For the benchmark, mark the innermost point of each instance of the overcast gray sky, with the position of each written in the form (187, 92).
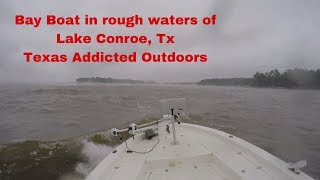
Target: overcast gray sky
(249, 36)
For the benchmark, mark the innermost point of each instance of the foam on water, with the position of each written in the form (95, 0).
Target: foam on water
(94, 153)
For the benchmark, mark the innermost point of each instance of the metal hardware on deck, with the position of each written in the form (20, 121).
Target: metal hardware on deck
(173, 118)
(296, 166)
(168, 129)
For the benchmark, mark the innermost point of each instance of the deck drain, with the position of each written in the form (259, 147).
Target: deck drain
(166, 170)
(239, 153)
(259, 167)
(163, 147)
(116, 167)
(196, 167)
(230, 136)
(243, 171)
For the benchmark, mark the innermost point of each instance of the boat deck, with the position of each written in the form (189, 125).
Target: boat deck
(202, 153)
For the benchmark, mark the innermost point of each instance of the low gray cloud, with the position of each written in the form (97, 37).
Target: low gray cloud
(249, 36)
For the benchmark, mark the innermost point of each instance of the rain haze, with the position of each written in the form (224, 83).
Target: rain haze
(249, 36)
(54, 118)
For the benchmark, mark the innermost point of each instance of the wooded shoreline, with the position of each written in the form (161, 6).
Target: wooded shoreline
(291, 78)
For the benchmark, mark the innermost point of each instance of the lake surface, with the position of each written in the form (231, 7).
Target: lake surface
(45, 130)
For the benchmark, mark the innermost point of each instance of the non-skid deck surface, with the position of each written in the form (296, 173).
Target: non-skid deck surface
(202, 153)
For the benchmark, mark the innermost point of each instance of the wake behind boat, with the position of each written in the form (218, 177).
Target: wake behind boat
(168, 149)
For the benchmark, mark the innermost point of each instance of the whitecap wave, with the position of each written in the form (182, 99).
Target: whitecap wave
(94, 153)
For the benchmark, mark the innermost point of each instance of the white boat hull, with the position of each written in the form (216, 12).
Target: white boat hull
(202, 153)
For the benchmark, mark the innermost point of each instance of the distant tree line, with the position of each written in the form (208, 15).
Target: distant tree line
(291, 78)
(111, 80)
(227, 81)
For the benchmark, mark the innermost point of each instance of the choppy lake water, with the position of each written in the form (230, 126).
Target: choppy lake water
(53, 132)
